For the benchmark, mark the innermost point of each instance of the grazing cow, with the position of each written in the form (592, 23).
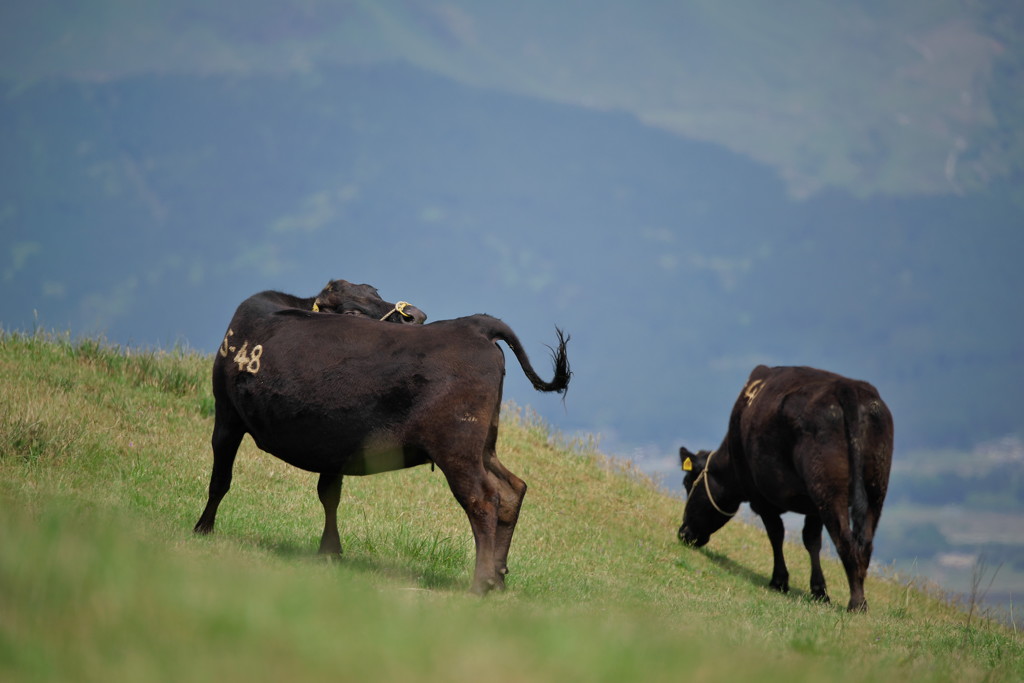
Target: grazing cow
(799, 440)
(337, 395)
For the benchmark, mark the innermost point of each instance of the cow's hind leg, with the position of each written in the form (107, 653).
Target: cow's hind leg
(328, 488)
(511, 490)
(225, 441)
(812, 541)
(838, 525)
(474, 488)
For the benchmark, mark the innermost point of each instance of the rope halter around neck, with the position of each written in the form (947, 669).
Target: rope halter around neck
(399, 308)
(707, 487)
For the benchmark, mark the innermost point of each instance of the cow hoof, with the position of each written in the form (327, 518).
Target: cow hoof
(821, 597)
(484, 587)
(330, 550)
(781, 586)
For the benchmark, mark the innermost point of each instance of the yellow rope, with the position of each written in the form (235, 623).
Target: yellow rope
(400, 307)
(707, 487)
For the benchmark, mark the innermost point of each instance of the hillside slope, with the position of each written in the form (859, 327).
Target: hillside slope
(103, 466)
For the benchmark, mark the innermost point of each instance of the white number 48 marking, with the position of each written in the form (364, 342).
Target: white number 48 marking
(249, 362)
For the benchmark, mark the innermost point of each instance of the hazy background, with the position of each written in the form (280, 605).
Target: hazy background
(687, 188)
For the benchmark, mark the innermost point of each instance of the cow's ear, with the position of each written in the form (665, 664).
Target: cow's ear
(687, 465)
(684, 456)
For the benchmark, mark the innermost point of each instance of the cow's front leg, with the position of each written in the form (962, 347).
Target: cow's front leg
(776, 535)
(812, 541)
(328, 488)
(225, 441)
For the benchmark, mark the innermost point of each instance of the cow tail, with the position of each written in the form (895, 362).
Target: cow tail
(854, 438)
(560, 360)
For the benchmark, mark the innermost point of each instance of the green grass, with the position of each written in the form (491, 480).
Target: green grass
(104, 461)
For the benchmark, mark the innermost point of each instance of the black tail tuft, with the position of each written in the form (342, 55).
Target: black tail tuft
(560, 383)
(560, 361)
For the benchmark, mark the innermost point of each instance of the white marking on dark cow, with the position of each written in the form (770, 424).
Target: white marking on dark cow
(249, 362)
(752, 390)
(224, 348)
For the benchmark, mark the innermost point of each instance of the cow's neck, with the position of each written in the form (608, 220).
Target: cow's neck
(733, 492)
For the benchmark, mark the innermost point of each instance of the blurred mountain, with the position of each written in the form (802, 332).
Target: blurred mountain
(872, 97)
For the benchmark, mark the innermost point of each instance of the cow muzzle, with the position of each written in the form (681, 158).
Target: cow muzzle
(687, 536)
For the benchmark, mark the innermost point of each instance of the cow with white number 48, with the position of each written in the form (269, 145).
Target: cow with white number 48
(352, 395)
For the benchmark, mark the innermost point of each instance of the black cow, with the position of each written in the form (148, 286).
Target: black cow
(342, 297)
(337, 395)
(799, 440)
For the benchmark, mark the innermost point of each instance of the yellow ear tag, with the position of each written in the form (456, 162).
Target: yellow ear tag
(687, 465)
(316, 309)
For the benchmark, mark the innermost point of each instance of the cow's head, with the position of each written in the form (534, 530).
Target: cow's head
(702, 515)
(341, 296)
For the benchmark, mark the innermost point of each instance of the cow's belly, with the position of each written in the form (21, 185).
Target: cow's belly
(351, 452)
(773, 501)
(784, 493)
(386, 460)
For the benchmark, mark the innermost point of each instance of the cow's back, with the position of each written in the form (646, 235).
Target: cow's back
(794, 426)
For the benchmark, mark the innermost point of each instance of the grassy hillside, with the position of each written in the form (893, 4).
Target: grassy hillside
(103, 466)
